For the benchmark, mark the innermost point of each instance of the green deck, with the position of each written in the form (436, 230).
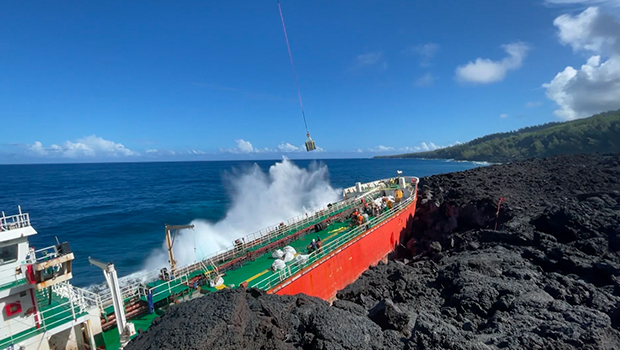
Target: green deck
(250, 271)
(57, 312)
(261, 267)
(13, 284)
(112, 340)
(257, 269)
(19, 337)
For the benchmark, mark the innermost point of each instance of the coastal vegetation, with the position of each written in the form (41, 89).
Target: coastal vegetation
(599, 133)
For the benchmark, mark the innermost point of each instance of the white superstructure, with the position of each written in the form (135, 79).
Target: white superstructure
(39, 307)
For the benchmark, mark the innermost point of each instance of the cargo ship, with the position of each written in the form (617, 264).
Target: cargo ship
(317, 253)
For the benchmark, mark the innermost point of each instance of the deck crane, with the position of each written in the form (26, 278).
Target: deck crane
(212, 274)
(125, 329)
(170, 243)
(310, 146)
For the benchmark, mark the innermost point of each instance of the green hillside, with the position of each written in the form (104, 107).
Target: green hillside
(599, 133)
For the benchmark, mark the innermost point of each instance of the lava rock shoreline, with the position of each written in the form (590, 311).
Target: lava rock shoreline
(542, 272)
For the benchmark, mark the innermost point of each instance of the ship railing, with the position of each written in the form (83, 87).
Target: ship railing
(10, 278)
(367, 186)
(270, 234)
(378, 184)
(14, 221)
(291, 224)
(53, 310)
(188, 270)
(43, 254)
(128, 292)
(261, 238)
(82, 298)
(32, 257)
(339, 242)
(67, 304)
(168, 287)
(253, 240)
(60, 306)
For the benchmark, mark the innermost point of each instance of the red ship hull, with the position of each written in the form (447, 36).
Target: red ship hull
(341, 268)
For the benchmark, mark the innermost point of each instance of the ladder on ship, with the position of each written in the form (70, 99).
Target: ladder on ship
(213, 273)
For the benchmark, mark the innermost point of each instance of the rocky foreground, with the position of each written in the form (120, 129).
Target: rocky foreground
(548, 277)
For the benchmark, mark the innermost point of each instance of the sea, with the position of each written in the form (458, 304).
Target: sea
(116, 212)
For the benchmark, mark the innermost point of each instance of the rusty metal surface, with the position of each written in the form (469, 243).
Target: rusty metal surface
(53, 262)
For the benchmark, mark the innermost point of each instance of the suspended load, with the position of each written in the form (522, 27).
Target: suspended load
(310, 146)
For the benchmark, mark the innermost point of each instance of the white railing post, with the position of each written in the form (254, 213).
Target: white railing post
(71, 305)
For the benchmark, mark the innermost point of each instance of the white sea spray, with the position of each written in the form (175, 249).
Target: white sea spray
(258, 199)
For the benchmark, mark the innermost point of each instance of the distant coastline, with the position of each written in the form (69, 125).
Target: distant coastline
(477, 162)
(599, 133)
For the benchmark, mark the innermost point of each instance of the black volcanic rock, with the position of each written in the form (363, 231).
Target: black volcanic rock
(542, 273)
(389, 316)
(239, 319)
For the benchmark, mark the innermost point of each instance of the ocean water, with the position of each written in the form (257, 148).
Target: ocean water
(117, 211)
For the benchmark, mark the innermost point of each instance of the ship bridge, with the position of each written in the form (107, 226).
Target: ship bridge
(39, 308)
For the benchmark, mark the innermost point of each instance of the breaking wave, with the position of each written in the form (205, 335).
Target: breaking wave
(258, 199)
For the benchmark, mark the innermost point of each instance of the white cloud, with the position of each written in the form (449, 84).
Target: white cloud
(168, 152)
(90, 146)
(287, 147)
(426, 80)
(381, 148)
(486, 71)
(610, 3)
(595, 86)
(591, 30)
(424, 146)
(371, 59)
(533, 104)
(428, 146)
(244, 146)
(592, 89)
(503, 116)
(426, 52)
(37, 148)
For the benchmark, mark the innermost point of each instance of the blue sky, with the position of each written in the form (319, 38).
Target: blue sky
(132, 81)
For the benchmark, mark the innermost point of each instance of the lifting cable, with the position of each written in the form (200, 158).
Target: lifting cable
(293, 66)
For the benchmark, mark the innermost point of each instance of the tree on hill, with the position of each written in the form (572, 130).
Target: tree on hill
(599, 133)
